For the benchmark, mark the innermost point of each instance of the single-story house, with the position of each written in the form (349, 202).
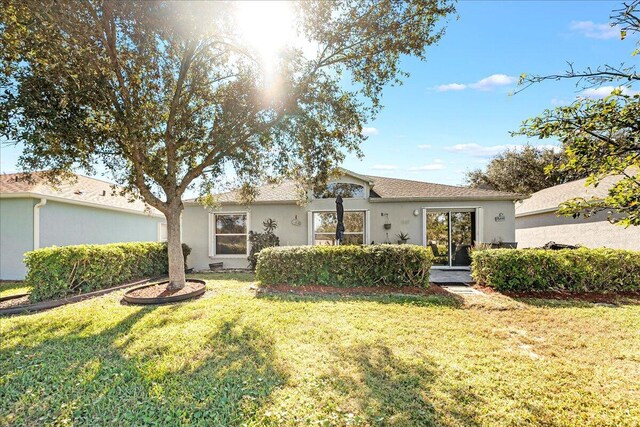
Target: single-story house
(537, 221)
(34, 215)
(449, 219)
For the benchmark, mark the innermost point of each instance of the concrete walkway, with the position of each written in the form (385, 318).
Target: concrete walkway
(450, 276)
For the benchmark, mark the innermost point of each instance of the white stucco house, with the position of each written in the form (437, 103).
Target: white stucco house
(537, 221)
(449, 219)
(34, 215)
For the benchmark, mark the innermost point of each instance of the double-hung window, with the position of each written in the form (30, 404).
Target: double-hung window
(324, 228)
(230, 234)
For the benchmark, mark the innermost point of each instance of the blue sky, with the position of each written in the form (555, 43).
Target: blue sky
(429, 131)
(454, 111)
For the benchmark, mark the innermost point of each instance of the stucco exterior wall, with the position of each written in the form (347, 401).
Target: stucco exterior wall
(198, 234)
(64, 224)
(594, 232)
(16, 236)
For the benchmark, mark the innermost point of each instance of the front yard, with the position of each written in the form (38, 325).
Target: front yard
(237, 358)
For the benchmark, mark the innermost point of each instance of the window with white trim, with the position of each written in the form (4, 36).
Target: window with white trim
(346, 190)
(230, 234)
(162, 232)
(324, 228)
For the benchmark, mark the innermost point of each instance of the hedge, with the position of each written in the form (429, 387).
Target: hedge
(574, 270)
(56, 272)
(345, 266)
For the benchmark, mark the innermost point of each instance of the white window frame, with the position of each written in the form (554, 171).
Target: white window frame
(160, 226)
(213, 234)
(365, 228)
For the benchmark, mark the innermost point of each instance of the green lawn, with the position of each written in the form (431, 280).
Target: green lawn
(234, 358)
(13, 288)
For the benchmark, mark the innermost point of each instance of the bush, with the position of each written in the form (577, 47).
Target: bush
(56, 272)
(574, 270)
(345, 266)
(260, 241)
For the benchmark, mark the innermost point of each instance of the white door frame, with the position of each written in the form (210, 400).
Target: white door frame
(478, 223)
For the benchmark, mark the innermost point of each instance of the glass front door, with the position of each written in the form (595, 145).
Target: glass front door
(450, 235)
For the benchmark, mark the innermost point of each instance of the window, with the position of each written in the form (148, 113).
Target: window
(230, 234)
(344, 189)
(162, 232)
(324, 228)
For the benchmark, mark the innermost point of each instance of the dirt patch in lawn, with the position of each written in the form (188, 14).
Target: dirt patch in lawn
(160, 290)
(360, 290)
(15, 302)
(594, 297)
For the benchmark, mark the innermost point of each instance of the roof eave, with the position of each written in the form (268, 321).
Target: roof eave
(34, 195)
(428, 199)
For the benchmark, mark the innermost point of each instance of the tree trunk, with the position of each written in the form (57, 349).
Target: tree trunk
(176, 257)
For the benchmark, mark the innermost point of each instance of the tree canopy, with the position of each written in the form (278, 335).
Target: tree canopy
(164, 95)
(522, 170)
(601, 137)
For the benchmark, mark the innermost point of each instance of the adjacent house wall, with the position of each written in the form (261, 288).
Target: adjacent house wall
(64, 224)
(198, 235)
(536, 230)
(16, 236)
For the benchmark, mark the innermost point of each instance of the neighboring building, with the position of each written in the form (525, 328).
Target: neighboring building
(376, 210)
(34, 215)
(537, 222)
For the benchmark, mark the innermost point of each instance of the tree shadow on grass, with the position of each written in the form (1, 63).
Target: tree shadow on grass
(453, 301)
(85, 378)
(389, 390)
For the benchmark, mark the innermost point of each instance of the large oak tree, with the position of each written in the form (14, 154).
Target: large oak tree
(167, 95)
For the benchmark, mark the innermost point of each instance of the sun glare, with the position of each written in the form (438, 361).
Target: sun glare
(267, 27)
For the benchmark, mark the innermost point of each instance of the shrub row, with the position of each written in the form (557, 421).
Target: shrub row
(345, 266)
(56, 272)
(574, 270)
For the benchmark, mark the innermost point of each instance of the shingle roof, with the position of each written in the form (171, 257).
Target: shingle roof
(83, 189)
(385, 188)
(550, 198)
(393, 188)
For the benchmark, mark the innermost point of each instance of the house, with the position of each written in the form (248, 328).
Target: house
(33, 215)
(449, 219)
(537, 221)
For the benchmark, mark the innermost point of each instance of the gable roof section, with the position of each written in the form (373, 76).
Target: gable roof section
(386, 189)
(549, 199)
(84, 191)
(400, 189)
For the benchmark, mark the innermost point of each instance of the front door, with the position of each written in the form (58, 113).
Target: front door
(450, 235)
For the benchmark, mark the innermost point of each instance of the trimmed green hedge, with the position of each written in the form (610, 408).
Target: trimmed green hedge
(574, 270)
(345, 266)
(56, 272)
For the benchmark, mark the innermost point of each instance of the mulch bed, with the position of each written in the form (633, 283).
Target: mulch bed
(595, 297)
(160, 290)
(15, 302)
(361, 290)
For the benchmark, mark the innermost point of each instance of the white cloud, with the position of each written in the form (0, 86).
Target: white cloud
(434, 166)
(604, 91)
(558, 101)
(451, 86)
(424, 146)
(594, 31)
(493, 81)
(384, 167)
(369, 131)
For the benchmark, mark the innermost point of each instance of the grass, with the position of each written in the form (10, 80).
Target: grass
(234, 358)
(13, 288)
